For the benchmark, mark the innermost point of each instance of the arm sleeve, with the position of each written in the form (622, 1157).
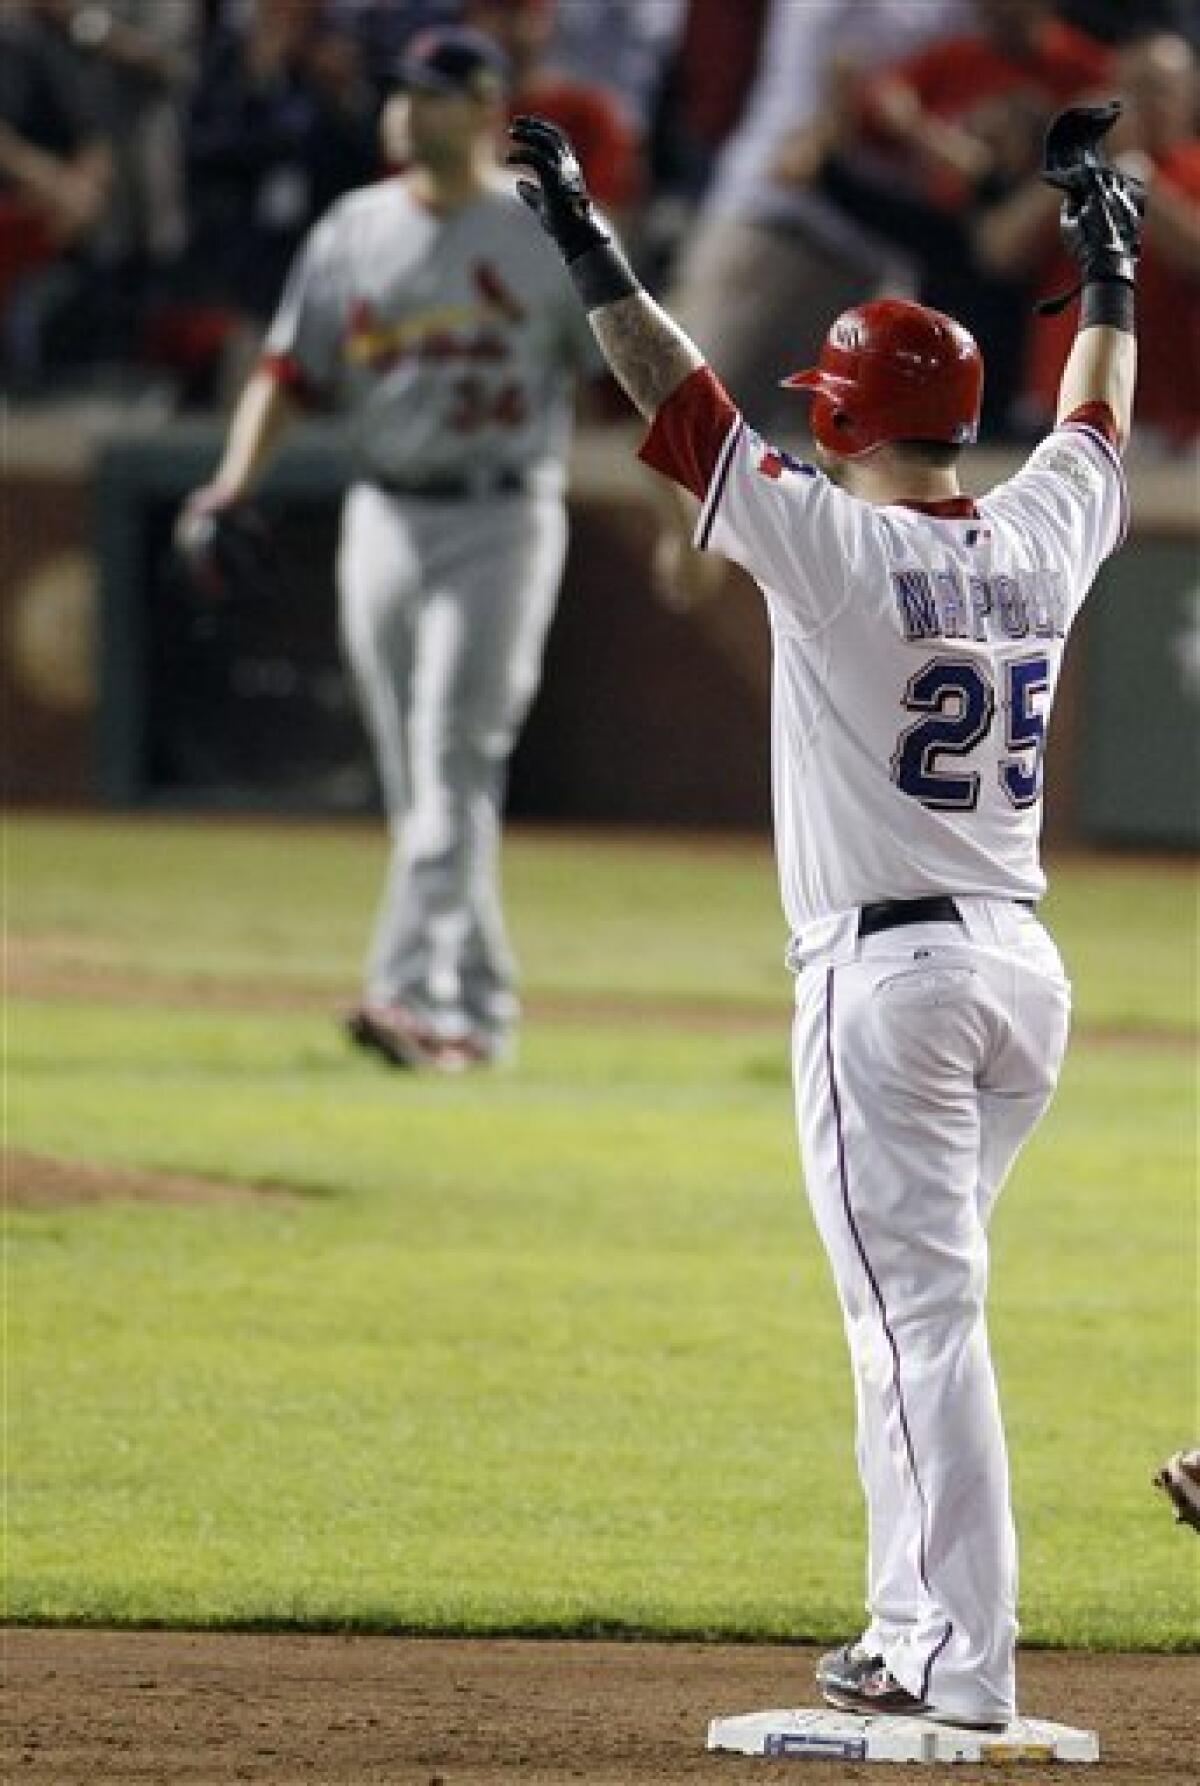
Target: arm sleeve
(1071, 495)
(304, 339)
(798, 535)
(690, 431)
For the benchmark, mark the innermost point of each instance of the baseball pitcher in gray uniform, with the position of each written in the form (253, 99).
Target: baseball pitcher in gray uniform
(432, 313)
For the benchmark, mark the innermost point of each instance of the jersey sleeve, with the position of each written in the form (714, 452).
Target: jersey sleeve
(1071, 496)
(798, 535)
(304, 339)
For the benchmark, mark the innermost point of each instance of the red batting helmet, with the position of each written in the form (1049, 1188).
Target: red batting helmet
(893, 370)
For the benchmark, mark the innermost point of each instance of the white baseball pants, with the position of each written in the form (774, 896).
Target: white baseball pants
(923, 1058)
(445, 607)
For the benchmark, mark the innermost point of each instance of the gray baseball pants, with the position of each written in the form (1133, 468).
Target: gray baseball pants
(444, 609)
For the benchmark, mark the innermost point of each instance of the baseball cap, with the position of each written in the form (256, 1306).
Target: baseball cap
(454, 60)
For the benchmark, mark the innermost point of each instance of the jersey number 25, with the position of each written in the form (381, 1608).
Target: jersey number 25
(958, 701)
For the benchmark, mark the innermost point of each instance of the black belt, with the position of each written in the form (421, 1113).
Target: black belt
(891, 914)
(456, 489)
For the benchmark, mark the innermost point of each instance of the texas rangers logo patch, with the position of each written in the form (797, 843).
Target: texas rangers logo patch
(774, 462)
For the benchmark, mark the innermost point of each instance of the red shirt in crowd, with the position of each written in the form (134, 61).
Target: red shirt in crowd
(717, 62)
(958, 76)
(954, 75)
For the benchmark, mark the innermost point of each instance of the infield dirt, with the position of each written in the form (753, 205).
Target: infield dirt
(90, 1706)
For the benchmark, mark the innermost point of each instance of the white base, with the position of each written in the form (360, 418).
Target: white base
(848, 1736)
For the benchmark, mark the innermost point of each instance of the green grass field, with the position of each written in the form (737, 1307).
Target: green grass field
(552, 1349)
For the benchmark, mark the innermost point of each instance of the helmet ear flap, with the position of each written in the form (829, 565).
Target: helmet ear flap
(837, 428)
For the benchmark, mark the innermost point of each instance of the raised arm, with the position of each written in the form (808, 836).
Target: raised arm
(649, 354)
(1101, 223)
(1101, 368)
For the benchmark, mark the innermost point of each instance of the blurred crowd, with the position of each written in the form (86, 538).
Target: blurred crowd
(769, 162)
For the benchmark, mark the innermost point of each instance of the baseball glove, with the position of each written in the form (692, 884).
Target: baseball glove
(1179, 1480)
(227, 554)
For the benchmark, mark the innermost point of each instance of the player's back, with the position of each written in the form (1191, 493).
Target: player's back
(917, 649)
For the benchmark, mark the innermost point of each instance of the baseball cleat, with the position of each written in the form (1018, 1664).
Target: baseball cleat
(1179, 1480)
(854, 1680)
(833, 1665)
(393, 1032)
(459, 1056)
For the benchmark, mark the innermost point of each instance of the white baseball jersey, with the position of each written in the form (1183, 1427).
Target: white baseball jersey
(451, 342)
(917, 649)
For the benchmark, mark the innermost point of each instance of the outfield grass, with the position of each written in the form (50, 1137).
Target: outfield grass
(634, 916)
(552, 1349)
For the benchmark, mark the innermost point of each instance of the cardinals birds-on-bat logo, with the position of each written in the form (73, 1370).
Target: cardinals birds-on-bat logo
(453, 332)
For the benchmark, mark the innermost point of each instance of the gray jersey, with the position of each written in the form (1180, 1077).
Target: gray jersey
(449, 342)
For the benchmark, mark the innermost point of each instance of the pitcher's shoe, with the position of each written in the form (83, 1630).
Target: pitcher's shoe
(1179, 1480)
(854, 1680)
(394, 1032)
(461, 1055)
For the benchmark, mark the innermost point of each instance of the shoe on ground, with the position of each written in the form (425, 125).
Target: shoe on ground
(404, 1040)
(854, 1680)
(1179, 1480)
(834, 1665)
(460, 1055)
(393, 1032)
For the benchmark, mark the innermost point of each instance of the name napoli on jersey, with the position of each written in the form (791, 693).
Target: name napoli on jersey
(945, 604)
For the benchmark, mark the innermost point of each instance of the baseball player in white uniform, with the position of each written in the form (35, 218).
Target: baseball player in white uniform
(430, 311)
(917, 639)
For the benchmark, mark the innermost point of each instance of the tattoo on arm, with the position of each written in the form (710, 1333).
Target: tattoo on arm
(649, 354)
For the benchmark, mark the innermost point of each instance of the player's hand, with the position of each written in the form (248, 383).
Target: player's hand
(195, 534)
(682, 578)
(199, 507)
(1103, 205)
(557, 193)
(224, 546)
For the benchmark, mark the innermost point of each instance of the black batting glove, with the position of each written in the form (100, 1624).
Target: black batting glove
(1102, 209)
(558, 193)
(1103, 228)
